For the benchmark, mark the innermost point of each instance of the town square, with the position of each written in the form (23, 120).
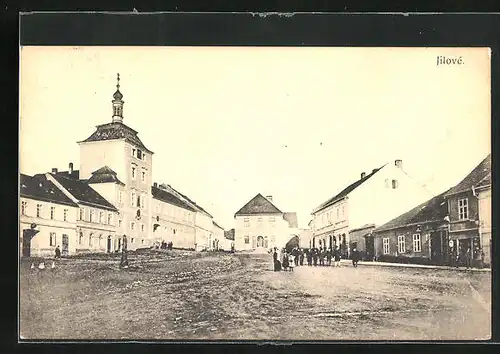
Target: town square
(194, 216)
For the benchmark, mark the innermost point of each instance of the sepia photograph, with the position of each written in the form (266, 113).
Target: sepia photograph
(254, 193)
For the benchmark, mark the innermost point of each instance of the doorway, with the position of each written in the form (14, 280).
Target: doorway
(65, 245)
(370, 247)
(260, 241)
(26, 243)
(108, 248)
(437, 247)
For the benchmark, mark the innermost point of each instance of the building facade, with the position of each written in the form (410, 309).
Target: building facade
(347, 220)
(260, 224)
(47, 218)
(463, 205)
(218, 234)
(173, 219)
(483, 190)
(421, 232)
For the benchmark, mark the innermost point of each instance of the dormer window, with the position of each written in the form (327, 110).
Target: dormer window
(394, 183)
(139, 154)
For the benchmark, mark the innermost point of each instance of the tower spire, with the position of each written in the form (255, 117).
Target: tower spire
(117, 102)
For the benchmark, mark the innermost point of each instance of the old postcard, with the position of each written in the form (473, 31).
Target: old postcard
(255, 193)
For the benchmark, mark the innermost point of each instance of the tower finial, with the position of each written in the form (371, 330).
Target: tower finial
(118, 81)
(117, 102)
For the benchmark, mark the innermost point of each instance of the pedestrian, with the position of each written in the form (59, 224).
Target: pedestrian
(291, 262)
(337, 257)
(468, 259)
(329, 257)
(58, 252)
(296, 256)
(301, 257)
(355, 257)
(276, 262)
(285, 261)
(309, 257)
(315, 256)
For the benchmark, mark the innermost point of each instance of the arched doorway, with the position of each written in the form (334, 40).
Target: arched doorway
(260, 241)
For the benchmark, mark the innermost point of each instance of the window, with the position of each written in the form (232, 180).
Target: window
(343, 211)
(132, 240)
(133, 152)
(133, 199)
(91, 236)
(120, 197)
(101, 217)
(401, 244)
(385, 243)
(394, 184)
(463, 209)
(133, 172)
(247, 239)
(92, 215)
(139, 154)
(142, 227)
(38, 210)
(119, 223)
(80, 238)
(23, 208)
(132, 225)
(52, 212)
(417, 246)
(82, 214)
(52, 238)
(246, 221)
(139, 200)
(143, 176)
(65, 214)
(110, 219)
(99, 242)
(142, 241)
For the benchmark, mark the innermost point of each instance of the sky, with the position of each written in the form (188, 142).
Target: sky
(226, 123)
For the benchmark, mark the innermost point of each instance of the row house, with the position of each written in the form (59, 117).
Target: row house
(203, 220)
(96, 219)
(421, 232)
(173, 219)
(218, 237)
(260, 224)
(47, 218)
(347, 219)
(469, 205)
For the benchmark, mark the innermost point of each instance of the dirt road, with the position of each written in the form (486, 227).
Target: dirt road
(195, 296)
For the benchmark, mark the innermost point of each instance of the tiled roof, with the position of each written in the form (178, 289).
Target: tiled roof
(170, 198)
(258, 205)
(433, 210)
(486, 181)
(217, 225)
(229, 234)
(347, 190)
(104, 175)
(75, 174)
(39, 188)
(192, 203)
(292, 219)
(116, 130)
(84, 193)
(477, 174)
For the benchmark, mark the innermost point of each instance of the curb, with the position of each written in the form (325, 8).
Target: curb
(401, 265)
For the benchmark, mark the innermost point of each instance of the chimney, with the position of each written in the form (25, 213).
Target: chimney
(363, 174)
(398, 163)
(70, 168)
(54, 171)
(269, 197)
(163, 186)
(155, 185)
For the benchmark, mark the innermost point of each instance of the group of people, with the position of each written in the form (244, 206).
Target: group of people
(285, 260)
(165, 245)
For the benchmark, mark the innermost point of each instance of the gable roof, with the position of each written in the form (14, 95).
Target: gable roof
(217, 225)
(115, 131)
(258, 205)
(347, 190)
(84, 193)
(165, 196)
(190, 202)
(39, 188)
(291, 217)
(473, 178)
(432, 210)
(104, 175)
